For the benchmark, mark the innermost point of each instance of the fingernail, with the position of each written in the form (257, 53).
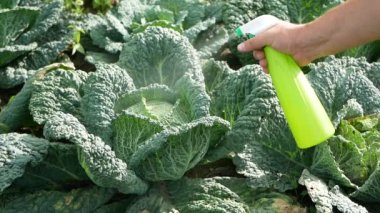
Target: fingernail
(241, 47)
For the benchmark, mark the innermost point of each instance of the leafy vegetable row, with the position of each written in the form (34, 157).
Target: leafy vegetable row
(162, 104)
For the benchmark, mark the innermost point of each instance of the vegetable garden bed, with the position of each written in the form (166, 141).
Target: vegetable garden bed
(146, 106)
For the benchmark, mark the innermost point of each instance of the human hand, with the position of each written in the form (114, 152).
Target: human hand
(284, 37)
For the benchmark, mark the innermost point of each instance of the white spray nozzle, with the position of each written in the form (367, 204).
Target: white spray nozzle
(256, 26)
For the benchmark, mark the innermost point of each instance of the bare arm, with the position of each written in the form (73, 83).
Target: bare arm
(348, 25)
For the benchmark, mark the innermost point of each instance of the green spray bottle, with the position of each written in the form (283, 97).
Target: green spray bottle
(303, 111)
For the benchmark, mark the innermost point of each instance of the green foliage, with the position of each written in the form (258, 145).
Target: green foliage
(18, 150)
(219, 194)
(82, 6)
(9, 3)
(102, 5)
(159, 123)
(97, 103)
(353, 158)
(23, 44)
(75, 6)
(59, 170)
(16, 113)
(58, 90)
(326, 197)
(96, 158)
(76, 200)
(197, 20)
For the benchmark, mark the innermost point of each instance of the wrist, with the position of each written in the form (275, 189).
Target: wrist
(309, 43)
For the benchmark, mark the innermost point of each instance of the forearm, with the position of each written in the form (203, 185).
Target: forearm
(350, 24)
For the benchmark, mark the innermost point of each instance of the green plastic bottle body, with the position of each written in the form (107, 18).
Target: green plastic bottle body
(305, 114)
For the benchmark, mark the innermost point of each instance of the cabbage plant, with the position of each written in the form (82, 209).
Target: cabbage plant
(144, 121)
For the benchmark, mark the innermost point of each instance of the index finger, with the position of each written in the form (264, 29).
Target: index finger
(252, 44)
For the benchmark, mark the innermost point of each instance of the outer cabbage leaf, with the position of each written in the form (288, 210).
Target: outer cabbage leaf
(16, 152)
(371, 70)
(336, 81)
(14, 23)
(370, 190)
(107, 32)
(193, 31)
(17, 111)
(352, 159)
(50, 21)
(101, 91)
(8, 3)
(110, 31)
(178, 148)
(187, 195)
(193, 93)
(194, 9)
(212, 195)
(32, 3)
(9, 53)
(324, 160)
(49, 49)
(298, 11)
(58, 170)
(280, 8)
(119, 206)
(324, 198)
(49, 16)
(77, 200)
(96, 158)
(9, 77)
(350, 110)
(214, 72)
(125, 11)
(210, 41)
(239, 12)
(57, 91)
(160, 56)
(350, 153)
